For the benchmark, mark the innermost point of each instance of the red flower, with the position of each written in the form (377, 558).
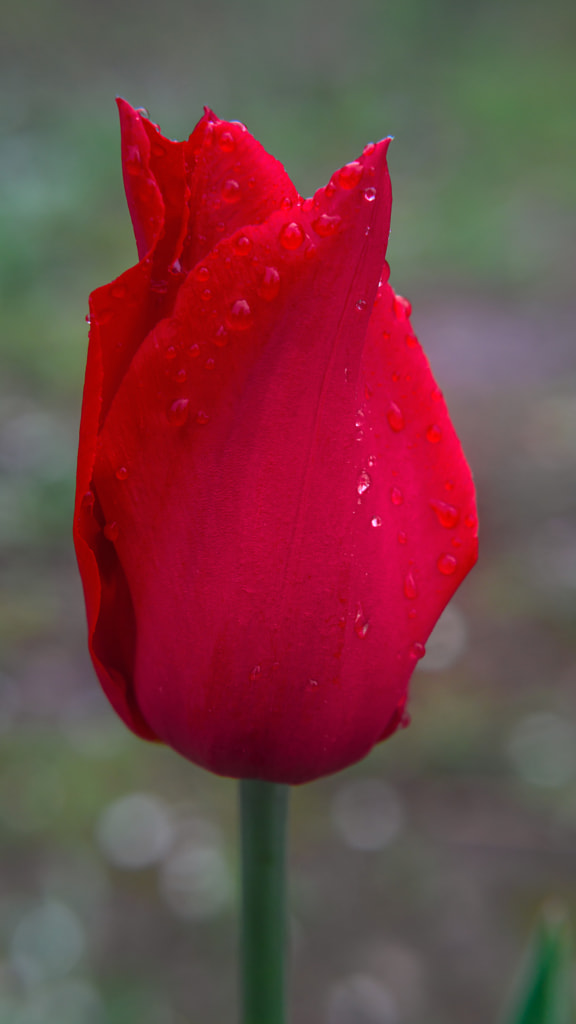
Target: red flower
(273, 507)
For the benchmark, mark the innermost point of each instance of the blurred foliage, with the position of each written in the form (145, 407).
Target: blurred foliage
(416, 875)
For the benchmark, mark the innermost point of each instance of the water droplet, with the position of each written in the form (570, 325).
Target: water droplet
(88, 500)
(143, 112)
(371, 460)
(417, 651)
(270, 284)
(205, 295)
(180, 376)
(361, 305)
(364, 482)
(402, 308)
(370, 194)
(369, 149)
(255, 673)
(308, 204)
(447, 564)
(88, 318)
(312, 682)
(241, 245)
(201, 273)
(226, 142)
(170, 352)
(410, 587)
(329, 190)
(456, 542)
(209, 364)
(292, 236)
(286, 203)
(470, 521)
(449, 485)
(434, 434)
(447, 515)
(239, 316)
(402, 537)
(411, 341)
(361, 624)
(396, 496)
(133, 159)
(221, 337)
(121, 473)
(376, 522)
(230, 191)
(412, 613)
(349, 176)
(111, 531)
(326, 225)
(395, 418)
(177, 412)
(202, 417)
(436, 395)
(194, 350)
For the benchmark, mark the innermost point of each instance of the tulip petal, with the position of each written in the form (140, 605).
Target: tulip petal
(226, 532)
(233, 182)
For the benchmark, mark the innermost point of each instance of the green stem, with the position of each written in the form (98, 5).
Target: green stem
(263, 810)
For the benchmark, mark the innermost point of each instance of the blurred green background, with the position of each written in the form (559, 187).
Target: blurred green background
(417, 874)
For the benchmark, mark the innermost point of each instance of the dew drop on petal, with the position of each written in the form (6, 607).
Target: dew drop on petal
(230, 191)
(202, 417)
(242, 245)
(417, 651)
(194, 350)
(436, 395)
(361, 624)
(411, 341)
(361, 305)
(370, 194)
(434, 434)
(364, 482)
(226, 142)
(239, 316)
(402, 537)
(177, 412)
(205, 295)
(201, 273)
(88, 500)
(410, 587)
(291, 236)
(221, 337)
(396, 496)
(402, 308)
(348, 177)
(447, 515)
(395, 418)
(180, 376)
(447, 564)
(369, 149)
(376, 522)
(170, 352)
(209, 364)
(286, 203)
(121, 473)
(111, 531)
(270, 284)
(325, 225)
(255, 673)
(470, 521)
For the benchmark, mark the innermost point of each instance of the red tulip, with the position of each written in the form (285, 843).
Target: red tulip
(273, 507)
